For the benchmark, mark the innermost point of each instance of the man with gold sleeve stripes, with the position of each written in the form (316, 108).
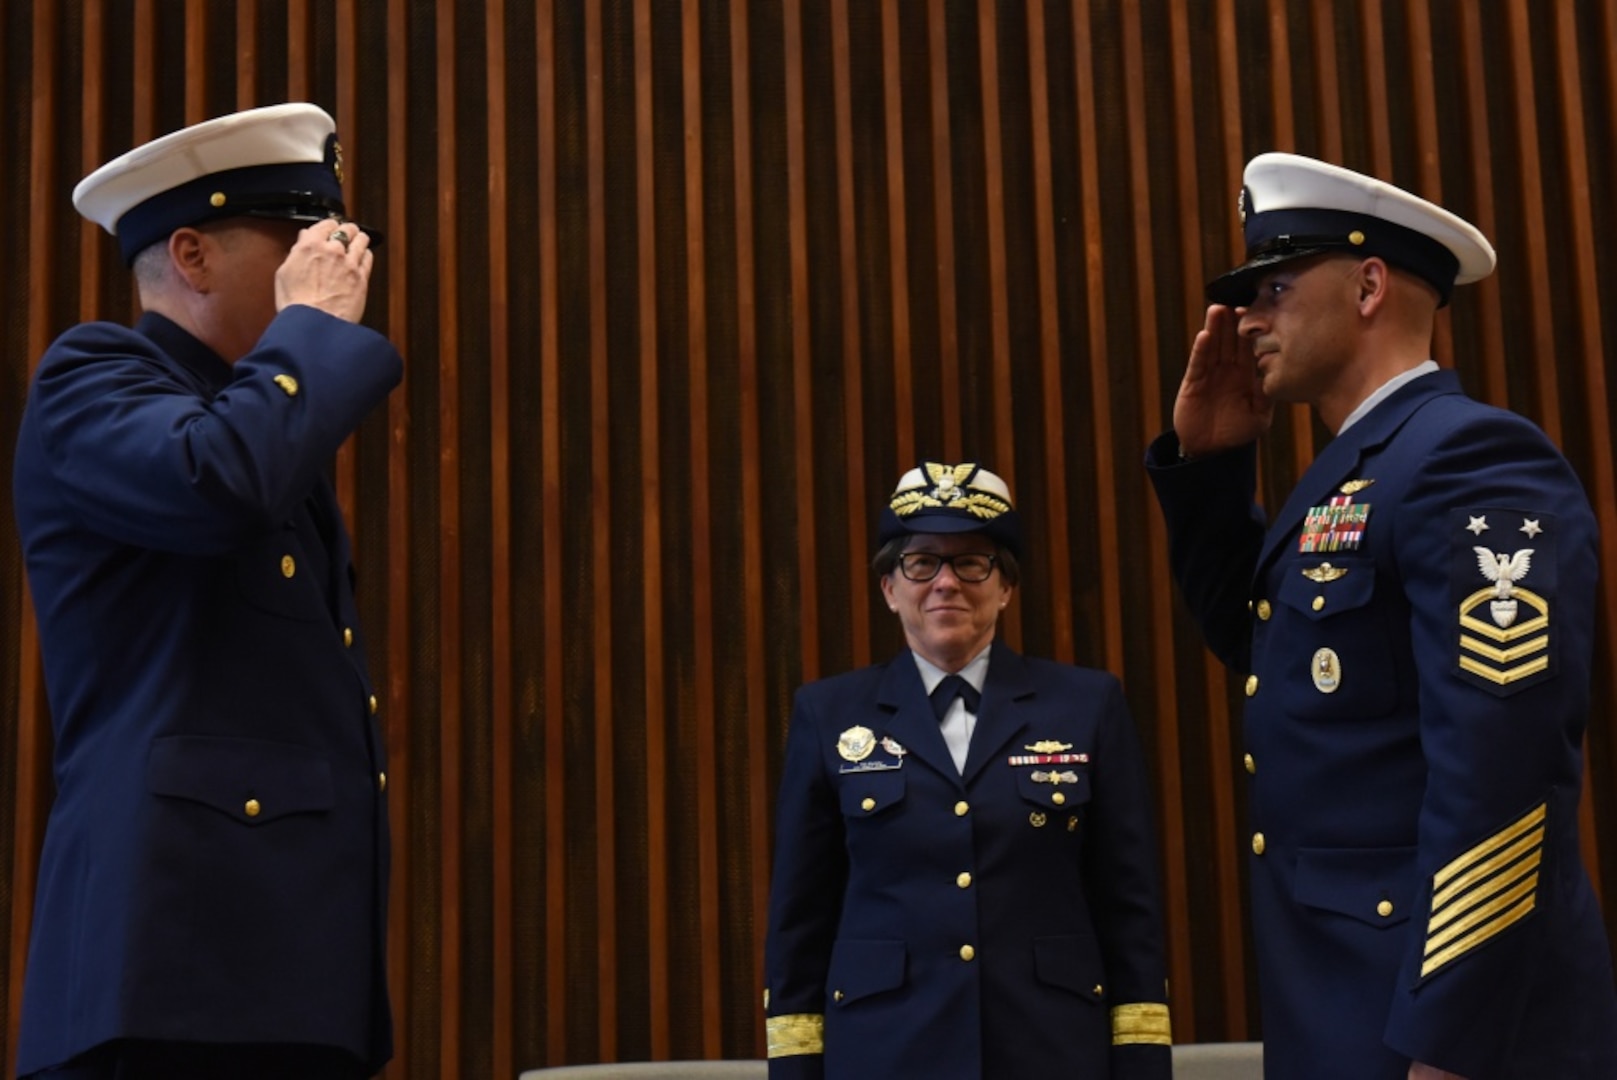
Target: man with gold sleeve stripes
(965, 882)
(1414, 628)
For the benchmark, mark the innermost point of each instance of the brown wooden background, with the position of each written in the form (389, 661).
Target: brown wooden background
(683, 286)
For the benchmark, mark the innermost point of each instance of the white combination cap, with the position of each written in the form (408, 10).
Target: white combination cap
(1292, 206)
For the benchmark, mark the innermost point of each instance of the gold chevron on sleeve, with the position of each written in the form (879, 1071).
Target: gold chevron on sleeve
(1485, 890)
(798, 1033)
(1143, 1023)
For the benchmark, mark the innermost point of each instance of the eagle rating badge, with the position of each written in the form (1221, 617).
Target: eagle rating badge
(1504, 563)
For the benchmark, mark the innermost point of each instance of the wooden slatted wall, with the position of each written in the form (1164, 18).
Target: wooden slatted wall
(683, 286)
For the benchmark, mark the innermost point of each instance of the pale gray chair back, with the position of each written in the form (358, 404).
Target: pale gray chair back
(1218, 1061)
(656, 1070)
(1191, 1061)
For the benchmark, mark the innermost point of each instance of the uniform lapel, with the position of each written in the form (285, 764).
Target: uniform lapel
(1341, 457)
(1003, 714)
(912, 723)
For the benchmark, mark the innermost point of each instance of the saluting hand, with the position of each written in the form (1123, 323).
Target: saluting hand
(1221, 404)
(1417, 1071)
(328, 268)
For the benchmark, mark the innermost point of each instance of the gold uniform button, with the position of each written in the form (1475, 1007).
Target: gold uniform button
(1264, 610)
(288, 384)
(1384, 908)
(1251, 685)
(1058, 798)
(370, 703)
(960, 809)
(967, 952)
(217, 199)
(381, 781)
(1257, 843)
(1099, 990)
(1319, 603)
(289, 566)
(964, 881)
(1251, 763)
(252, 808)
(869, 803)
(836, 995)
(347, 637)
(1072, 823)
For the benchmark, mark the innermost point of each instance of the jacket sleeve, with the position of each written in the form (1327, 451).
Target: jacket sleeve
(805, 903)
(1503, 692)
(1124, 888)
(1215, 531)
(143, 456)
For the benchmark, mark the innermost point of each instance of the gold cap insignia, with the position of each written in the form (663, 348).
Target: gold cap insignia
(985, 497)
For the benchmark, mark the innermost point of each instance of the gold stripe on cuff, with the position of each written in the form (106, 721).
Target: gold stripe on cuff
(1145, 1023)
(798, 1033)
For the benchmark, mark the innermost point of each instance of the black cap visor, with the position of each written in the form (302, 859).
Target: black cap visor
(1239, 287)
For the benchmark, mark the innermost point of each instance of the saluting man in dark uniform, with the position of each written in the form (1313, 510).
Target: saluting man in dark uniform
(1414, 627)
(965, 882)
(213, 889)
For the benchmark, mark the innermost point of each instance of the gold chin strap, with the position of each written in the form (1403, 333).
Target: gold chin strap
(799, 1033)
(1146, 1024)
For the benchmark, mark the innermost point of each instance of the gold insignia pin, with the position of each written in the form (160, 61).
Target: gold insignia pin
(1353, 487)
(1327, 671)
(856, 743)
(1323, 572)
(1048, 746)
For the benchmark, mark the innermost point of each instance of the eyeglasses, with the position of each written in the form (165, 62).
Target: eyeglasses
(924, 566)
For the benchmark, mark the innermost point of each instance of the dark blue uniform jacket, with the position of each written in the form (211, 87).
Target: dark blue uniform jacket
(215, 861)
(993, 925)
(1416, 628)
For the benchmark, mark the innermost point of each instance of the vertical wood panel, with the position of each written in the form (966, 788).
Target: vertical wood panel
(1590, 365)
(687, 349)
(605, 823)
(853, 361)
(1050, 365)
(999, 360)
(1176, 897)
(555, 620)
(1418, 28)
(346, 27)
(450, 631)
(892, 66)
(1107, 521)
(401, 624)
(804, 457)
(943, 227)
(502, 698)
(1531, 208)
(752, 529)
(1221, 757)
(654, 661)
(1479, 142)
(704, 697)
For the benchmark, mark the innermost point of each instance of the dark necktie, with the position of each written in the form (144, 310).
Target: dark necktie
(944, 693)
